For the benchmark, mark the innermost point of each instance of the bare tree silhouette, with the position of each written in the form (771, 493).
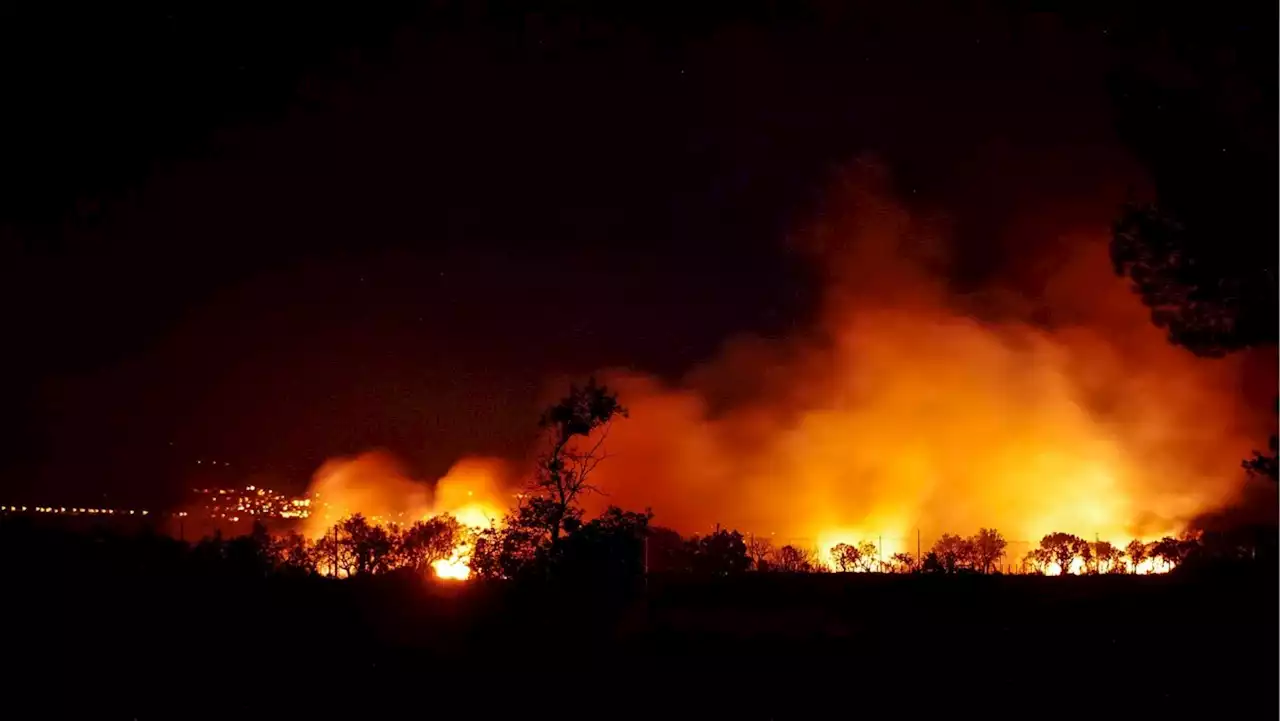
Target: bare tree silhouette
(845, 557)
(576, 428)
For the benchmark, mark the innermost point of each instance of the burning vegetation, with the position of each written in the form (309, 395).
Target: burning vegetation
(909, 411)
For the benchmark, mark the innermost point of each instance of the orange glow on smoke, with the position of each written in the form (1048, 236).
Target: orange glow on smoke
(907, 408)
(375, 485)
(910, 407)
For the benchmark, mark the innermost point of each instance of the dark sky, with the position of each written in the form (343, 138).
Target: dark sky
(268, 236)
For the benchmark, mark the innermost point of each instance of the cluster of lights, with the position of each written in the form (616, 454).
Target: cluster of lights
(232, 504)
(221, 503)
(75, 510)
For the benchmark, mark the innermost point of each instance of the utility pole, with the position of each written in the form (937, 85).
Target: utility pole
(918, 559)
(880, 550)
(646, 560)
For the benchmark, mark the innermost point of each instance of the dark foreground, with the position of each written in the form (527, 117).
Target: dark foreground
(134, 644)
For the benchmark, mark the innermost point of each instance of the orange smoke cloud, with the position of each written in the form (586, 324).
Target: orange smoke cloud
(911, 407)
(906, 407)
(376, 485)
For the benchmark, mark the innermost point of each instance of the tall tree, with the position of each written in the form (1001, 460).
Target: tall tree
(575, 428)
(250, 554)
(722, 553)
(760, 550)
(1200, 114)
(1063, 549)
(953, 552)
(868, 556)
(426, 542)
(1167, 551)
(1105, 557)
(1136, 551)
(846, 557)
(334, 553)
(793, 559)
(292, 554)
(987, 548)
(372, 544)
(1209, 305)
(607, 549)
(1038, 560)
(903, 562)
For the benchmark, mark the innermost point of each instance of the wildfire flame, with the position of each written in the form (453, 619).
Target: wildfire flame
(911, 408)
(907, 409)
(375, 485)
(454, 569)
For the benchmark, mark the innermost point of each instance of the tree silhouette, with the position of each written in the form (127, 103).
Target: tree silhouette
(760, 550)
(952, 552)
(514, 548)
(868, 557)
(250, 554)
(903, 562)
(1136, 551)
(846, 558)
(667, 551)
(292, 554)
(1086, 558)
(792, 559)
(334, 554)
(721, 553)
(1201, 253)
(1207, 303)
(607, 549)
(373, 546)
(986, 548)
(1063, 549)
(1105, 557)
(1167, 551)
(426, 542)
(932, 564)
(575, 429)
(1038, 559)
(1264, 465)
(563, 471)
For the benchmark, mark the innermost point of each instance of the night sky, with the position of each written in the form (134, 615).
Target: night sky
(267, 236)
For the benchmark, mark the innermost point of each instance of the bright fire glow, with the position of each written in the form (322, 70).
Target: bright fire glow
(1051, 404)
(911, 408)
(375, 485)
(452, 569)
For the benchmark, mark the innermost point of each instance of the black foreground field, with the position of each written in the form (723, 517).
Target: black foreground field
(136, 644)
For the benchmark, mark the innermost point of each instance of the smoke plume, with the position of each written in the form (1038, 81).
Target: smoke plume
(909, 406)
(376, 485)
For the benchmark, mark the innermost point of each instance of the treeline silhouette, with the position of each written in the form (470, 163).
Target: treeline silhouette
(546, 538)
(616, 548)
(612, 615)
